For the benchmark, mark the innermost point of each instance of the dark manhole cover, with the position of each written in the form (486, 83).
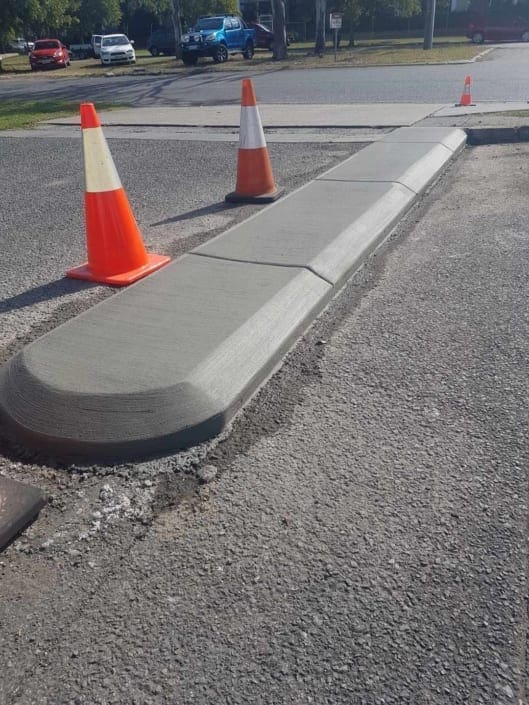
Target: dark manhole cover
(19, 505)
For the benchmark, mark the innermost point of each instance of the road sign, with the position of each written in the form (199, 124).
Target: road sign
(335, 20)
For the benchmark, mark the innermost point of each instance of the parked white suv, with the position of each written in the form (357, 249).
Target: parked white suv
(117, 49)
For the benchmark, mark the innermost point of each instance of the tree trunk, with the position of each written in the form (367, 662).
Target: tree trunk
(319, 46)
(280, 33)
(177, 27)
(351, 25)
(429, 25)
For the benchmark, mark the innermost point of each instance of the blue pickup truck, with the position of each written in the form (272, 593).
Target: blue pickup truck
(218, 37)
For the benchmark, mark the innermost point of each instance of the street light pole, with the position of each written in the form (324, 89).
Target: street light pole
(429, 25)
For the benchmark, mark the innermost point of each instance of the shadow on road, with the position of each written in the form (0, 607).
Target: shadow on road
(205, 210)
(46, 292)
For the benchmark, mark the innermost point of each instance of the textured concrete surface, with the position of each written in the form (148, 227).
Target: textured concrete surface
(413, 166)
(326, 226)
(365, 538)
(160, 366)
(451, 139)
(167, 363)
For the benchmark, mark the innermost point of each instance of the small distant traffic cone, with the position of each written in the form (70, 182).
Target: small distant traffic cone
(255, 181)
(466, 98)
(116, 253)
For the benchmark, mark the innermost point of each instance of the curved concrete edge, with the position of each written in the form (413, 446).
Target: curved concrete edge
(167, 362)
(160, 366)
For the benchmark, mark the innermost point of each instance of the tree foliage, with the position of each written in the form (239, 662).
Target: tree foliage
(354, 10)
(99, 15)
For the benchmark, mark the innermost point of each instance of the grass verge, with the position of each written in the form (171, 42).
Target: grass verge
(20, 114)
(366, 53)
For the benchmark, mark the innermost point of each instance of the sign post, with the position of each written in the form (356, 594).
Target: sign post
(335, 22)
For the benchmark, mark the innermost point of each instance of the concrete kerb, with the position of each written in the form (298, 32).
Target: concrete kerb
(169, 361)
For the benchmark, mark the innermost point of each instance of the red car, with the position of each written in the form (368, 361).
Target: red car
(49, 53)
(499, 30)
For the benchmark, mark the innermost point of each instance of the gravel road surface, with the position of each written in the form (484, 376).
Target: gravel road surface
(359, 537)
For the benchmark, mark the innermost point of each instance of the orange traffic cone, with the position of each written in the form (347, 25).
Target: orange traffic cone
(466, 98)
(255, 182)
(116, 253)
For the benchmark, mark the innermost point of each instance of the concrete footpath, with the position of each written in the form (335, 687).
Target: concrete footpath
(167, 363)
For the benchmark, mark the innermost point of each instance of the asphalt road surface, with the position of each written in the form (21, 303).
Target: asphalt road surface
(501, 76)
(362, 536)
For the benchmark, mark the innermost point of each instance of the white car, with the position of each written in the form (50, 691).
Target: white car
(21, 46)
(117, 49)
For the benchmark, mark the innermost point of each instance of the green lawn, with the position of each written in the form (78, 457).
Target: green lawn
(18, 114)
(367, 52)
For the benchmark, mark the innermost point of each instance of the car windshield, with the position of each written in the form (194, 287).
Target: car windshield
(210, 23)
(114, 41)
(47, 45)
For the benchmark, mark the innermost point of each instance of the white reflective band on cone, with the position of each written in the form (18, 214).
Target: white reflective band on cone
(99, 169)
(251, 134)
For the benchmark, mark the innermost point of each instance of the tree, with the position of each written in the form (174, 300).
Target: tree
(354, 10)
(8, 20)
(98, 15)
(176, 17)
(37, 17)
(321, 11)
(429, 25)
(280, 33)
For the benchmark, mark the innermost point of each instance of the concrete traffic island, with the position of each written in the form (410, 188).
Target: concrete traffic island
(167, 362)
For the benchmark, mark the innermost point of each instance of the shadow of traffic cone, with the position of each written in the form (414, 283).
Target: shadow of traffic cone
(116, 253)
(255, 182)
(466, 98)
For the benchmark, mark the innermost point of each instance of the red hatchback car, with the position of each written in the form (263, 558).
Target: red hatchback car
(506, 29)
(49, 53)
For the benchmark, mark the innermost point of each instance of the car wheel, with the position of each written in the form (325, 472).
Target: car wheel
(525, 37)
(271, 47)
(248, 51)
(478, 38)
(189, 59)
(221, 54)
(154, 51)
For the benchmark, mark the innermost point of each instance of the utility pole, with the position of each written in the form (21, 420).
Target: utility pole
(429, 24)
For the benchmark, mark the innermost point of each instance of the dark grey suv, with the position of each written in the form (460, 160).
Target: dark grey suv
(162, 41)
